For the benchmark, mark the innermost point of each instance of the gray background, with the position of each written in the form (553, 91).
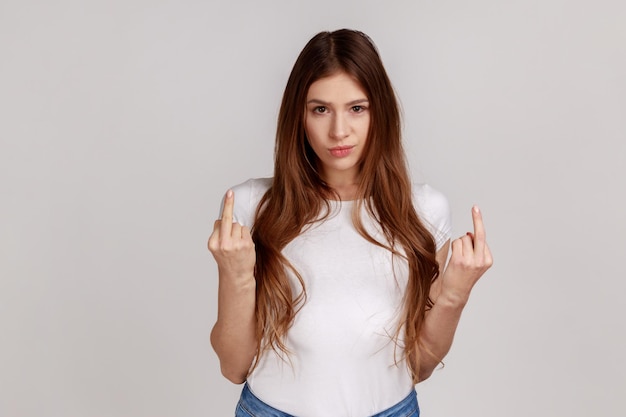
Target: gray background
(123, 122)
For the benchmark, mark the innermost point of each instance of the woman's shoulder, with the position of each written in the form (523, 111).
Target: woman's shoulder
(429, 199)
(248, 194)
(252, 187)
(434, 210)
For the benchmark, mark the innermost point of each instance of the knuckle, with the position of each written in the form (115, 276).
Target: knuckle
(225, 247)
(457, 261)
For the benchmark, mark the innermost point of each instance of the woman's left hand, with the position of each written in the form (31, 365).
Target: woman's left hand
(469, 260)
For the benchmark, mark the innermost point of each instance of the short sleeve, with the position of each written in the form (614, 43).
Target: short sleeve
(434, 210)
(247, 197)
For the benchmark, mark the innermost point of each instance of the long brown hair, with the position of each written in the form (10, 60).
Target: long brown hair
(298, 194)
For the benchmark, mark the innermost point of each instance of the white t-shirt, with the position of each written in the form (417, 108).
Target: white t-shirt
(342, 361)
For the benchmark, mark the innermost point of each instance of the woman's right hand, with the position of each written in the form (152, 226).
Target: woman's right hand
(231, 244)
(234, 334)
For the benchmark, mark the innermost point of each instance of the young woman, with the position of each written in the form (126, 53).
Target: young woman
(333, 297)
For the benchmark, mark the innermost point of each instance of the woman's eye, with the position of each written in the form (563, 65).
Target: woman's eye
(357, 109)
(320, 109)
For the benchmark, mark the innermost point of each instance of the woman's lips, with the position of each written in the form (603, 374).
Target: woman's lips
(341, 151)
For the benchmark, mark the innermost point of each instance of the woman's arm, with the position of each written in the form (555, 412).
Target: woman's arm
(470, 259)
(234, 335)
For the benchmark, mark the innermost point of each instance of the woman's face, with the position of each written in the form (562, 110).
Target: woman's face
(336, 121)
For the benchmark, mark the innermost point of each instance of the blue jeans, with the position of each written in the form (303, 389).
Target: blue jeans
(251, 406)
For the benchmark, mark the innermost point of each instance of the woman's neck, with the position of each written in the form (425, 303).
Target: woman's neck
(346, 186)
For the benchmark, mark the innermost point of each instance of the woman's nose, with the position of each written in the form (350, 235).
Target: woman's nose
(339, 127)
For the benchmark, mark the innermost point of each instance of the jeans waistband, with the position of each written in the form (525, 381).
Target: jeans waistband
(250, 406)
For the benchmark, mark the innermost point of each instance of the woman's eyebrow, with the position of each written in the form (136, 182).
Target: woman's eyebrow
(325, 103)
